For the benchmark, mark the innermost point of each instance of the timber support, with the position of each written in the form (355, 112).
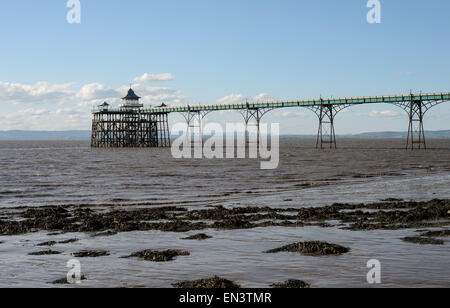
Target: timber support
(130, 130)
(129, 126)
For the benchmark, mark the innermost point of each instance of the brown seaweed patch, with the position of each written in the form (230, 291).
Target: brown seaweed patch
(55, 233)
(392, 200)
(390, 215)
(209, 283)
(199, 237)
(91, 254)
(441, 233)
(45, 253)
(65, 281)
(412, 215)
(291, 284)
(314, 248)
(51, 243)
(159, 256)
(312, 184)
(106, 233)
(46, 212)
(423, 240)
(69, 241)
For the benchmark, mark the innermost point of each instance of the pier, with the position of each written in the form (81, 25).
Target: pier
(131, 125)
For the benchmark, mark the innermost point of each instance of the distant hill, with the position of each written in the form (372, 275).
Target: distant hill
(86, 135)
(442, 134)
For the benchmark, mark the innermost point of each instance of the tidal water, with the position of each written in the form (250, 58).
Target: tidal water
(43, 173)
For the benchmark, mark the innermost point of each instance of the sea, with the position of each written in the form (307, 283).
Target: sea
(52, 173)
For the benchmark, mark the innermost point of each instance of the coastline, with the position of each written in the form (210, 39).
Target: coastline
(186, 233)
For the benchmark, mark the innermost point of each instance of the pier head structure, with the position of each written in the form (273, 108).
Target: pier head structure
(131, 125)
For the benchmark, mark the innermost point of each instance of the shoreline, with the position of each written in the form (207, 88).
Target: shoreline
(429, 221)
(390, 214)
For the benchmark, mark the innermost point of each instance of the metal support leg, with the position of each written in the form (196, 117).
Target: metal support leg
(416, 108)
(416, 132)
(255, 115)
(194, 121)
(163, 130)
(193, 126)
(326, 134)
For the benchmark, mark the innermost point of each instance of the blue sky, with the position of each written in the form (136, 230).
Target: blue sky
(218, 51)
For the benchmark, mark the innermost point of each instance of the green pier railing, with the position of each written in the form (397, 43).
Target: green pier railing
(392, 99)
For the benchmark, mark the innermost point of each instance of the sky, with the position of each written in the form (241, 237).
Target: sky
(210, 51)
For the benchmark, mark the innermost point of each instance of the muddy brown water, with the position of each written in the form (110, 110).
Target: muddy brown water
(42, 173)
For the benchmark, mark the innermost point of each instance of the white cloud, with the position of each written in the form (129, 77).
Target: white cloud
(263, 97)
(156, 95)
(113, 101)
(44, 119)
(68, 106)
(154, 77)
(241, 98)
(94, 91)
(384, 114)
(292, 114)
(39, 93)
(232, 99)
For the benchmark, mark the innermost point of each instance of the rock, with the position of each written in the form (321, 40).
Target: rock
(64, 280)
(106, 233)
(315, 248)
(199, 237)
(52, 243)
(72, 240)
(356, 217)
(44, 253)
(209, 283)
(441, 233)
(55, 234)
(291, 284)
(392, 200)
(91, 254)
(159, 256)
(423, 240)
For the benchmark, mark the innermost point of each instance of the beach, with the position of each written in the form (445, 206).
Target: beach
(62, 199)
